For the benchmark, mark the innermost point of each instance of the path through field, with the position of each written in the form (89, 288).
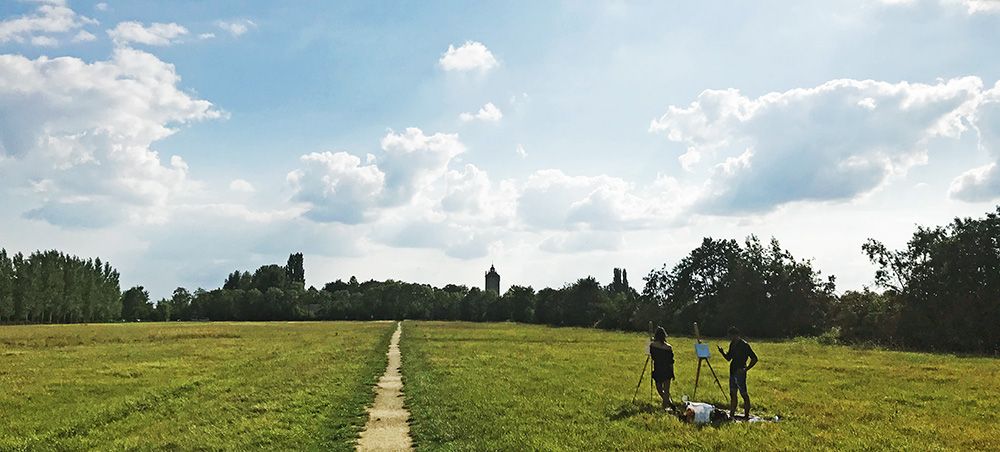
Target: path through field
(388, 427)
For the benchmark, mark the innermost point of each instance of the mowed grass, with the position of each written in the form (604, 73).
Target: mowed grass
(524, 387)
(188, 385)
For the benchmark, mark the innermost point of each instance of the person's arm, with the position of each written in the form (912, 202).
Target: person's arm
(724, 354)
(673, 376)
(753, 357)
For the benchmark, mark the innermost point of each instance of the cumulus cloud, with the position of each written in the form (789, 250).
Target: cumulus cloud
(836, 141)
(455, 240)
(44, 41)
(489, 113)
(236, 28)
(85, 129)
(414, 160)
(472, 196)
(102, 6)
(551, 199)
(970, 6)
(520, 151)
(84, 36)
(157, 34)
(50, 17)
(337, 187)
(983, 183)
(471, 56)
(241, 186)
(582, 241)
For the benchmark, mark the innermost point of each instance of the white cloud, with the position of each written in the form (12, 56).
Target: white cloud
(236, 28)
(970, 6)
(981, 6)
(455, 240)
(836, 141)
(157, 34)
(489, 113)
(414, 160)
(337, 187)
(551, 199)
(206, 36)
(84, 36)
(470, 56)
(44, 41)
(101, 6)
(52, 17)
(983, 183)
(93, 152)
(520, 151)
(241, 185)
(582, 241)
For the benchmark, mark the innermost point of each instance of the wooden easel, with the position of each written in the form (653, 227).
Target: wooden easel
(703, 355)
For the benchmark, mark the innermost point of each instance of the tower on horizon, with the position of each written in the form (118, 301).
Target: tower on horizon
(493, 280)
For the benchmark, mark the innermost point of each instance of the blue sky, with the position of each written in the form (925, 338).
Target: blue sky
(424, 140)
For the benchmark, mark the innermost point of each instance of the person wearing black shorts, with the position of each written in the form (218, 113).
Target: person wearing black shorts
(739, 352)
(663, 365)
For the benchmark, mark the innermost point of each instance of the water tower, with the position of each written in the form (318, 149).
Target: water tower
(493, 280)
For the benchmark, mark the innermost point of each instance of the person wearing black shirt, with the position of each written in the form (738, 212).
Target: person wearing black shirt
(739, 352)
(663, 364)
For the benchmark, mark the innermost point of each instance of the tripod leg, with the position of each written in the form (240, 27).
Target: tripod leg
(643, 374)
(716, 378)
(697, 375)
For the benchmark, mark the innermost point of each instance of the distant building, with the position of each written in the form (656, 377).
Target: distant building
(493, 280)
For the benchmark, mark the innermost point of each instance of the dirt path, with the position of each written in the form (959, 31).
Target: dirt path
(388, 427)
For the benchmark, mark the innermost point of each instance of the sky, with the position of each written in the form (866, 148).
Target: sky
(424, 141)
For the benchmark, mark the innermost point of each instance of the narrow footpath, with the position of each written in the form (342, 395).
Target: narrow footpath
(388, 421)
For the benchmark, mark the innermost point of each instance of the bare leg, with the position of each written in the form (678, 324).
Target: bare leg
(664, 389)
(661, 391)
(746, 403)
(732, 402)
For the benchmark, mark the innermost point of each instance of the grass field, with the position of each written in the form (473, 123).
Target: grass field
(519, 387)
(188, 386)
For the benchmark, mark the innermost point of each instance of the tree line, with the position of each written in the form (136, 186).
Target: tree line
(53, 287)
(941, 292)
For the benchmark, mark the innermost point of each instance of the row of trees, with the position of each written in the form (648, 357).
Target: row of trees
(940, 292)
(49, 286)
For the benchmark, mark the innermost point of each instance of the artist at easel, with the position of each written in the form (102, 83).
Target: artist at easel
(739, 352)
(663, 365)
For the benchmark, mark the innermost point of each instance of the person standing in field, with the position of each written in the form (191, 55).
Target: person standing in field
(739, 352)
(663, 365)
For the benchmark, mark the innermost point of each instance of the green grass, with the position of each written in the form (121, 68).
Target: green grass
(521, 387)
(188, 385)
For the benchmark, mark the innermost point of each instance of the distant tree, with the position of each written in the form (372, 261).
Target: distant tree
(295, 271)
(521, 302)
(762, 289)
(337, 286)
(866, 316)
(180, 304)
(269, 276)
(6, 286)
(136, 305)
(948, 282)
(238, 280)
(582, 302)
(548, 307)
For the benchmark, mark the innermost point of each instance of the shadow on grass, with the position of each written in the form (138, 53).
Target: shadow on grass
(628, 410)
(631, 409)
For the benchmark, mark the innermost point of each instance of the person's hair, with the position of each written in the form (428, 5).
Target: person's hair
(660, 335)
(733, 331)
